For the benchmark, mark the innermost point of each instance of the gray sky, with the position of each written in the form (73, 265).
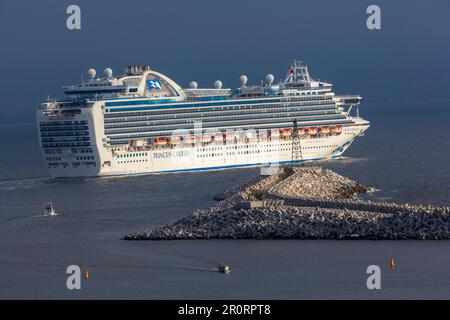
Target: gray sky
(206, 40)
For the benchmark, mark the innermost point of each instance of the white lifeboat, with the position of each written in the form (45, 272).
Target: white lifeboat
(250, 135)
(275, 133)
(229, 136)
(188, 139)
(175, 139)
(218, 137)
(206, 138)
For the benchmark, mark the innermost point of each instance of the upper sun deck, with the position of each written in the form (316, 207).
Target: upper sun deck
(141, 82)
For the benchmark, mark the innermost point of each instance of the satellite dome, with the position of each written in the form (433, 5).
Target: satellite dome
(91, 73)
(193, 85)
(243, 80)
(108, 72)
(269, 79)
(218, 84)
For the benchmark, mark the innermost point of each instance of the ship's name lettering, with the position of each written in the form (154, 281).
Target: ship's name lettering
(170, 154)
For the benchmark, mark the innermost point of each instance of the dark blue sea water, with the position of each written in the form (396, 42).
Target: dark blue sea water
(405, 155)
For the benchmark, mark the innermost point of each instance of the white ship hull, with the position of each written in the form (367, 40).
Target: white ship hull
(198, 156)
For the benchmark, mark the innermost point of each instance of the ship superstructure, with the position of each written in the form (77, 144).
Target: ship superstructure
(144, 122)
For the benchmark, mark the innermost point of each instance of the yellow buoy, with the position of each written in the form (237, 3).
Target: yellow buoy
(391, 262)
(86, 273)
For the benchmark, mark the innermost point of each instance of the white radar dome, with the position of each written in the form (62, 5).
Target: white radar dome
(243, 80)
(91, 73)
(269, 78)
(193, 85)
(108, 72)
(218, 84)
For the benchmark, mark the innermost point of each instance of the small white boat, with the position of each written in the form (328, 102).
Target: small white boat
(49, 209)
(223, 268)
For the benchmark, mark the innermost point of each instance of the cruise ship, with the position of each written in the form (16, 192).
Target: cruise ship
(143, 122)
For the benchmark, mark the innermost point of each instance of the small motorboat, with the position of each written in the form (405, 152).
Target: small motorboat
(223, 268)
(49, 209)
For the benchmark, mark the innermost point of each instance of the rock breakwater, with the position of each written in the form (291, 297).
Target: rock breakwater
(305, 203)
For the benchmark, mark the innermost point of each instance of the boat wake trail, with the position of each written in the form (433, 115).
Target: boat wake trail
(35, 216)
(12, 185)
(346, 159)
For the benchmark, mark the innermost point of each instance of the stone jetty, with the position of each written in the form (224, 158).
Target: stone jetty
(308, 202)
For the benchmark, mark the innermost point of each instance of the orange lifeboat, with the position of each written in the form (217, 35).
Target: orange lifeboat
(336, 130)
(161, 141)
(324, 130)
(301, 131)
(285, 132)
(218, 137)
(312, 131)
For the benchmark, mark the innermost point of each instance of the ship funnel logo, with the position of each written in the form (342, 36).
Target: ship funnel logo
(154, 84)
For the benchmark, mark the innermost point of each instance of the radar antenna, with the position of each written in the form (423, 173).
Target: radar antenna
(298, 74)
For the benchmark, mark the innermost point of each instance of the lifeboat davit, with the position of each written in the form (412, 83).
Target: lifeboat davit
(324, 130)
(312, 131)
(336, 130)
(161, 141)
(286, 132)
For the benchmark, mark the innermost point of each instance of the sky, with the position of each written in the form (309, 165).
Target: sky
(208, 40)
